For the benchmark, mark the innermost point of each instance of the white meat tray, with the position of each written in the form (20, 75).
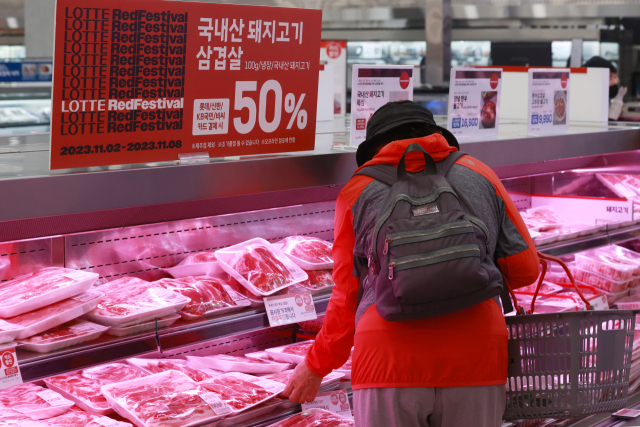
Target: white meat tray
(198, 269)
(9, 331)
(124, 330)
(142, 365)
(304, 264)
(258, 411)
(90, 332)
(274, 388)
(277, 354)
(218, 362)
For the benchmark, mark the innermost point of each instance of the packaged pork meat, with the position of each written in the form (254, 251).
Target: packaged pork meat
(136, 328)
(262, 381)
(82, 419)
(83, 387)
(307, 252)
(290, 353)
(313, 326)
(34, 401)
(167, 399)
(627, 255)
(318, 281)
(234, 286)
(50, 316)
(245, 417)
(12, 418)
(260, 267)
(326, 385)
(315, 418)
(227, 363)
(198, 264)
(9, 331)
(154, 366)
(263, 355)
(616, 183)
(41, 288)
(605, 283)
(130, 299)
(606, 265)
(208, 296)
(545, 218)
(71, 333)
(242, 392)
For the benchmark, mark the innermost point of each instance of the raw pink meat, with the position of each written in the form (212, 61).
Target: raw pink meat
(238, 359)
(313, 326)
(598, 281)
(236, 286)
(206, 293)
(49, 311)
(315, 419)
(308, 249)
(73, 419)
(171, 400)
(71, 329)
(606, 265)
(631, 257)
(195, 374)
(318, 279)
(85, 385)
(235, 392)
(198, 258)
(282, 377)
(545, 215)
(260, 267)
(23, 398)
(35, 284)
(12, 418)
(545, 288)
(300, 349)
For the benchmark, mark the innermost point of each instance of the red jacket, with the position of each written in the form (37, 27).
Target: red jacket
(465, 348)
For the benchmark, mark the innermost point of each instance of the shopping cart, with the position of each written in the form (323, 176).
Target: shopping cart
(567, 365)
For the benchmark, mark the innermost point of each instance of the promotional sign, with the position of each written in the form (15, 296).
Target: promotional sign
(333, 401)
(548, 101)
(143, 81)
(587, 210)
(324, 111)
(334, 52)
(290, 308)
(26, 71)
(474, 102)
(9, 370)
(372, 87)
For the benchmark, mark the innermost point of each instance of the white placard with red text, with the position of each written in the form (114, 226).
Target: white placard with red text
(290, 308)
(474, 102)
(371, 88)
(548, 101)
(333, 401)
(334, 52)
(9, 370)
(587, 210)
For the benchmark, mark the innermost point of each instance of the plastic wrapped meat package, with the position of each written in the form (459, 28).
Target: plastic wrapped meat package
(621, 253)
(227, 363)
(313, 326)
(29, 399)
(81, 419)
(66, 335)
(315, 418)
(83, 387)
(245, 417)
(9, 331)
(155, 366)
(556, 274)
(136, 328)
(318, 280)
(260, 267)
(41, 288)
(130, 299)
(604, 283)
(606, 265)
(291, 353)
(309, 253)
(545, 218)
(234, 285)
(208, 295)
(198, 264)
(50, 316)
(241, 391)
(263, 355)
(545, 288)
(13, 418)
(616, 183)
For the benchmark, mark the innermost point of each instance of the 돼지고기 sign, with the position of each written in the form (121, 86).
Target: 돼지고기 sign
(474, 102)
(549, 101)
(143, 81)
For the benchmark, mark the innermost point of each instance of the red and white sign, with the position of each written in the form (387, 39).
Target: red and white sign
(9, 369)
(290, 308)
(142, 81)
(333, 401)
(334, 52)
(548, 101)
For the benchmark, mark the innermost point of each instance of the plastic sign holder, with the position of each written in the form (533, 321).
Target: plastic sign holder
(548, 101)
(290, 308)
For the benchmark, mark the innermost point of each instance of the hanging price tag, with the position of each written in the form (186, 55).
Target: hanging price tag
(548, 101)
(9, 370)
(219, 406)
(333, 401)
(53, 398)
(290, 308)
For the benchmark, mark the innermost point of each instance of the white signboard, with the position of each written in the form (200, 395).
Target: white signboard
(474, 102)
(334, 52)
(372, 87)
(333, 401)
(290, 308)
(587, 210)
(548, 101)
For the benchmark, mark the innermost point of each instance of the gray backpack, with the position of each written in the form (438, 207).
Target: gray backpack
(429, 254)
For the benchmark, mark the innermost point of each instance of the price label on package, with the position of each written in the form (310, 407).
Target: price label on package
(334, 401)
(53, 398)
(9, 370)
(548, 101)
(371, 88)
(474, 102)
(290, 308)
(219, 406)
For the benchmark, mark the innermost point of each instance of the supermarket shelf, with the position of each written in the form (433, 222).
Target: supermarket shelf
(603, 238)
(606, 420)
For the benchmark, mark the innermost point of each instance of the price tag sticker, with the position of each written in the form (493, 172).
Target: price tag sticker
(219, 406)
(9, 369)
(333, 401)
(290, 308)
(53, 398)
(474, 102)
(548, 101)
(110, 422)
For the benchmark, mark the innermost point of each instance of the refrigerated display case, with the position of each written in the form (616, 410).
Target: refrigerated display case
(137, 220)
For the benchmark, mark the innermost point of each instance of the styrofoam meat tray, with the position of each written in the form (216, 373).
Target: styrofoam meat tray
(9, 331)
(240, 304)
(272, 387)
(258, 411)
(56, 314)
(164, 378)
(263, 355)
(26, 399)
(225, 363)
(14, 302)
(285, 246)
(197, 269)
(277, 354)
(84, 330)
(143, 364)
(311, 412)
(124, 330)
(167, 303)
(227, 254)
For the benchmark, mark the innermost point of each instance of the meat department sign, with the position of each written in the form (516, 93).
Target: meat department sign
(143, 81)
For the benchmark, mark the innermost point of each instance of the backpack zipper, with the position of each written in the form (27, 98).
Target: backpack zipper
(393, 265)
(425, 233)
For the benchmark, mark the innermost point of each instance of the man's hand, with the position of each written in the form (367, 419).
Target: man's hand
(303, 385)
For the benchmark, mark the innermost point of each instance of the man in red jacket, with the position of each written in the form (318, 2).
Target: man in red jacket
(444, 371)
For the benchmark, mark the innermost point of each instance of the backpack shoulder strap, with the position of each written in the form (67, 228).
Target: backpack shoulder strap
(383, 173)
(446, 164)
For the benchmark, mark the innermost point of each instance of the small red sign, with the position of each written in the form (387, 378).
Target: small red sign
(298, 300)
(11, 371)
(343, 398)
(404, 80)
(334, 398)
(334, 50)
(361, 124)
(307, 299)
(494, 81)
(563, 81)
(8, 359)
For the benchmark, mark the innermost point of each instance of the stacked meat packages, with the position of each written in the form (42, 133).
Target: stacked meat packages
(624, 186)
(547, 226)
